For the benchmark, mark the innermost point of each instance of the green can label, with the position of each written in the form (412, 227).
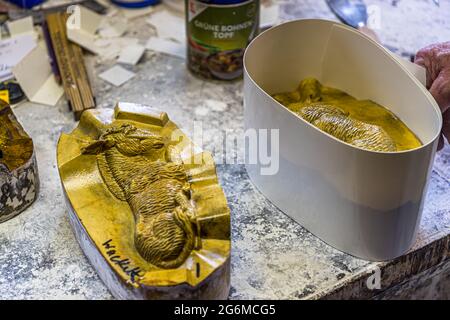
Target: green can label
(218, 35)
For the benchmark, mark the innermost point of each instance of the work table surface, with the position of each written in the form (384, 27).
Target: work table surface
(273, 257)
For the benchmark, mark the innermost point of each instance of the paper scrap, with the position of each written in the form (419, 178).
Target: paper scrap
(13, 50)
(131, 54)
(269, 16)
(106, 48)
(113, 27)
(82, 26)
(21, 27)
(36, 79)
(101, 36)
(168, 25)
(83, 39)
(111, 48)
(117, 75)
(167, 46)
(84, 19)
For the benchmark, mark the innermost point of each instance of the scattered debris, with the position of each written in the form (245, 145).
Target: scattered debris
(21, 27)
(38, 13)
(82, 27)
(167, 46)
(168, 25)
(117, 75)
(131, 54)
(102, 36)
(269, 16)
(110, 49)
(36, 78)
(105, 35)
(13, 50)
(113, 27)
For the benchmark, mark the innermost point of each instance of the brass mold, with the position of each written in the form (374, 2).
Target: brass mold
(146, 205)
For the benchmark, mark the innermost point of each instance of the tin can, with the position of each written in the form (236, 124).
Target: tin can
(218, 31)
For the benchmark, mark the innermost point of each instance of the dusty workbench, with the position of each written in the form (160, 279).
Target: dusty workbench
(273, 257)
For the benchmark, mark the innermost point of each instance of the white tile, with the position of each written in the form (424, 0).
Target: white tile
(167, 46)
(131, 54)
(269, 15)
(117, 75)
(113, 27)
(168, 25)
(36, 79)
(21, 26)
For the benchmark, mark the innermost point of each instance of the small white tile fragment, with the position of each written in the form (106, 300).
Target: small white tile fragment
(36, 79)
(117, 75)
(269, 15)
(168, 25)
(131, 54)
(113, 27)
(21, 27)
(84, 19)
(166, 46)
(111, 48)
(82, 26)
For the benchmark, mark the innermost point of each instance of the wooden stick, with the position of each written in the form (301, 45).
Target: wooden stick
(71, 66)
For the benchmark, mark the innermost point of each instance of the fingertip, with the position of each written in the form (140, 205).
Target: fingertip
(419, 61)
(440, 94)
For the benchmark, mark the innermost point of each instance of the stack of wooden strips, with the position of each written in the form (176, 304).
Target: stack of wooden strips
(70, 63)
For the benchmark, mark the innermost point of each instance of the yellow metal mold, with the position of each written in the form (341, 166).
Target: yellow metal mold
(177, 250)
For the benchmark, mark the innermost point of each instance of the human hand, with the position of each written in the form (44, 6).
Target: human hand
(436, 60)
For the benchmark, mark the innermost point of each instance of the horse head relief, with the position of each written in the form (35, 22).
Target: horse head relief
(134, 167)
